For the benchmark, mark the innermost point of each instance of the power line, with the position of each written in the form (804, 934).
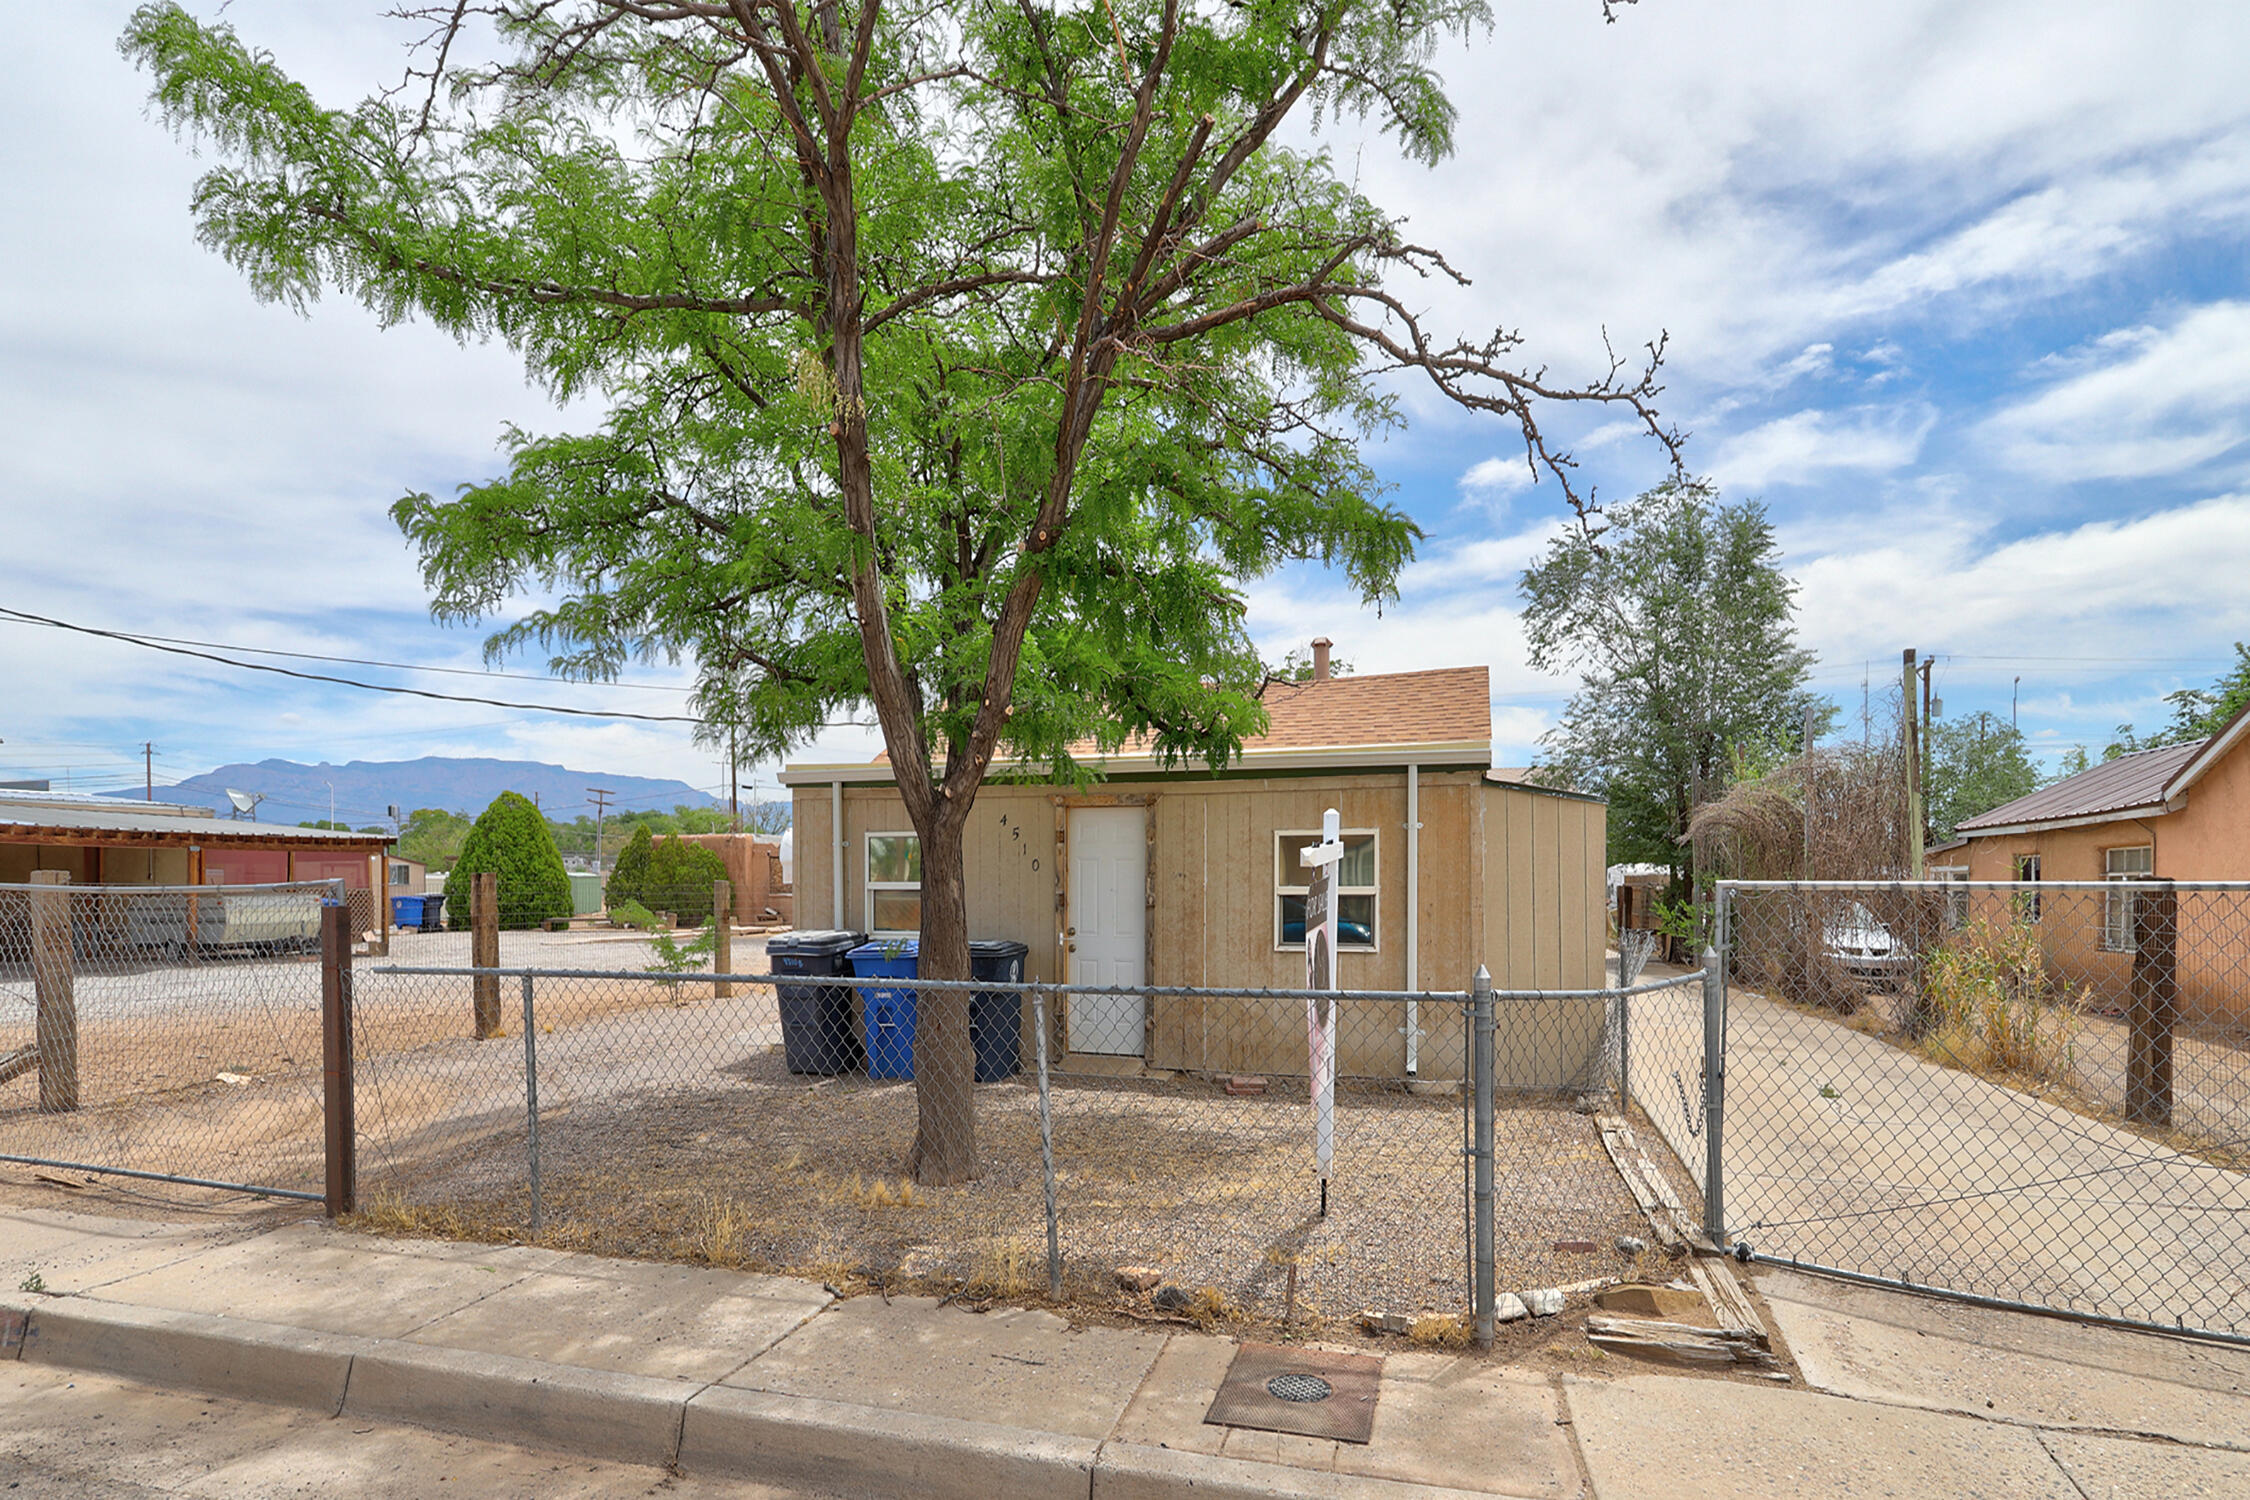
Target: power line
(402, 666)
(151, 644)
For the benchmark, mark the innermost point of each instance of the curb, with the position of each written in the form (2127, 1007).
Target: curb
(221, 1356)
(1133, 1471)
(601, 1413)
(833, 1445)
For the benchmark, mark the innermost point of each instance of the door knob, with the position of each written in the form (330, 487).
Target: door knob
(1070, 932)
(1074, 947)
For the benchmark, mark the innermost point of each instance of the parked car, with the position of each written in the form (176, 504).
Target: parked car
(1862, 946)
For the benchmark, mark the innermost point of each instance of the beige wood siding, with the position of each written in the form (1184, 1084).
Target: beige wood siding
(1509, 878)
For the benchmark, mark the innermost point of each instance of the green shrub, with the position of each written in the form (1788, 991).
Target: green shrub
(512, 841)
(679, 880)
(628, 880)
(1993, 1008)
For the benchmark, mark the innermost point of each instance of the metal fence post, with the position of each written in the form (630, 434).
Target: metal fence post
(1047, 1145)
(339, 1112)
(531, 1099)
(1487, 1290)
(1715, 1087)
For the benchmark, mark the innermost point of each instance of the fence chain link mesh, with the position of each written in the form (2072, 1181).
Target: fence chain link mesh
(164, 1032)
(2035, 1093)
(766, 1127)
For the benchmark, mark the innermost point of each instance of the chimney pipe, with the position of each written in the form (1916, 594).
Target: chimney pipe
(1320, 647)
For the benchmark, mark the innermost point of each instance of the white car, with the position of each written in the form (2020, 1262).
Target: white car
(1863, 946)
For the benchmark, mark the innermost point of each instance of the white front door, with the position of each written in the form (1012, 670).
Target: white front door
(1106, 940)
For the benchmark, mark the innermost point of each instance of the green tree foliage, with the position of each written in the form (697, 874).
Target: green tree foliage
(434, 837)
(1976, 763)
(965, 361)
(1678, 620)
(2197, 713)
(510, 840)
(628, 878)
(679, 879)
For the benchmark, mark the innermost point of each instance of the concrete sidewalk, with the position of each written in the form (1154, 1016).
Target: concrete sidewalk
(777, 1381)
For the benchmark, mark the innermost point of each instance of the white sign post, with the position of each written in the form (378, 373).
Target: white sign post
(1320, 974)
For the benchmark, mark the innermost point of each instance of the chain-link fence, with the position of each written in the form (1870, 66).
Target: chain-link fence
(2033, 1092)
(170, 1033)
(1160, 1146)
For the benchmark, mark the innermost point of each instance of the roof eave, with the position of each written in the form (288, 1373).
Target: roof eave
(1476, 753)
(2084, 820)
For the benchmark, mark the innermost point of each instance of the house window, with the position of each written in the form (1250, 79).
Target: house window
(2137, 863)
(894, 884)
(398, 872)
(2027, 902)
(1956, 878)
(1354, 887)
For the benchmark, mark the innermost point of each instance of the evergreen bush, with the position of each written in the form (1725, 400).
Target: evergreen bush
(512, 841)
(679, 880)
(628, 879)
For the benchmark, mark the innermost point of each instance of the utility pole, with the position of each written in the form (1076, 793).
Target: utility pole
(1913, 749)
(601, 796)
(1811, 803)
(148, 770)
(734, 786)
(2013, 693)
(1929, 751)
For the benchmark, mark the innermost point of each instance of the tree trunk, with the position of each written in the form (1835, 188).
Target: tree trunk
(945, 1134)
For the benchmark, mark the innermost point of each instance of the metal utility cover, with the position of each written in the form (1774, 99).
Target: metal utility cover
(1276, 1389)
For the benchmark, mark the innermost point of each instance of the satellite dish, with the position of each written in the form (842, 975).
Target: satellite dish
(245, 803)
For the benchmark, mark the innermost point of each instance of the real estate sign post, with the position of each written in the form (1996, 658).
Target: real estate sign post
(1320, 974)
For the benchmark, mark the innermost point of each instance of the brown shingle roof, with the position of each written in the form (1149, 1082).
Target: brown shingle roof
(2127, 782)
(1440, 706)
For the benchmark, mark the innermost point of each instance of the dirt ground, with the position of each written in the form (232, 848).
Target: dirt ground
(669, 1127)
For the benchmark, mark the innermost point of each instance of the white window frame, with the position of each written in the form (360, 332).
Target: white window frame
(2117, 906)
(1375, 890)
(1956, 901)
(870, 885)
(2027, 867)
(400, 874)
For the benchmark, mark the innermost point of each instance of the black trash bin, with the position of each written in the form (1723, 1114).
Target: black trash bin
(816, 1019)
(996, 1016)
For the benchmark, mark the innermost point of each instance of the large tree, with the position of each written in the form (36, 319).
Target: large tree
(1976, 764)
(964, 361)
(1679, 622)
(2197, 713)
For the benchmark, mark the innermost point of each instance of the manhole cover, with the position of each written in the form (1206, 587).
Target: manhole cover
(1298, 1386)
(1312, 1392)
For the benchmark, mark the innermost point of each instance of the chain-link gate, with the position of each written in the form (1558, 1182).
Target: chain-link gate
(171, 1034)
(2031, 1093)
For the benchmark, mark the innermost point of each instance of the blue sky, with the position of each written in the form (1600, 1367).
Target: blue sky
(1960, 292)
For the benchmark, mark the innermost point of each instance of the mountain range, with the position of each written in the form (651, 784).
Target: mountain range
(364, 790)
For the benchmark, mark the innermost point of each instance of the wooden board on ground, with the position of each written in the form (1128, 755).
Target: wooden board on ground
(1737, 1314)
(1680, 1343)
(1665, 1212)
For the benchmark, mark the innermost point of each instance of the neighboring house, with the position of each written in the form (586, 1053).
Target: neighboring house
(1190, 877)
(106, 841)
(753, 864)
(2179, 813)
(409, 877)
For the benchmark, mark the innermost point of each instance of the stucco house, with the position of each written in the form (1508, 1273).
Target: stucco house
(2179, 813)
(1189, 877)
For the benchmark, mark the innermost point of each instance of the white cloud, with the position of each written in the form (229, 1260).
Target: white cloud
(1497, 476)
(1810, 445)
(2147, 401)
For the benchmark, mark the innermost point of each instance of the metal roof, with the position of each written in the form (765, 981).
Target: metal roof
(2130, 783)
(18, 821)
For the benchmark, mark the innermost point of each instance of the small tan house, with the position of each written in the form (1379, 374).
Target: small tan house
(2179, 813)
(1190, 877)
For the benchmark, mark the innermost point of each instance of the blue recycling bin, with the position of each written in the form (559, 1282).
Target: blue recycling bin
(406, 911)
(887, 1011)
